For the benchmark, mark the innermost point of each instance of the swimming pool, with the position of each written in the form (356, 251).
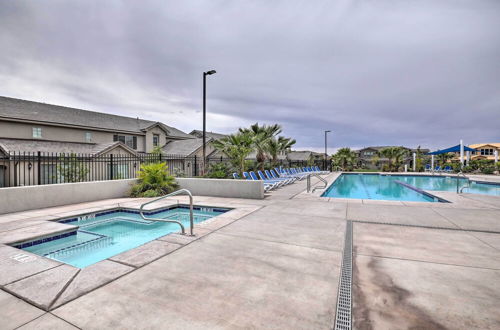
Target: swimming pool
(402, 187)
(106, 234)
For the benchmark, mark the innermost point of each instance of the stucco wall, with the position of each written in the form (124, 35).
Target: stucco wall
(149, 138)
(223, 187)
(16, 199)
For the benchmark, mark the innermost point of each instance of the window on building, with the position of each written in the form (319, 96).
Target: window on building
(88, 137)
(486, 152)
(368, 153)
(129, 140)
(37, 132)
(156, 140)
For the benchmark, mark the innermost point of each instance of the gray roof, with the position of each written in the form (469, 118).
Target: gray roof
(212, 135)
(21, 145)
(183, 147)
(301, 155)
(41, 112)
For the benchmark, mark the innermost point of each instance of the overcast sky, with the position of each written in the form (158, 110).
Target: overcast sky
(375, 72)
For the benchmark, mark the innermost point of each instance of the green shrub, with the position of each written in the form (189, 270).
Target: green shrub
(457, 167)
(467, 169)
(487, 170)
(153, 181)
(219, 171)
(178, 172)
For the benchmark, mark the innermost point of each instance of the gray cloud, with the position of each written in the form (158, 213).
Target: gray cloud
(375, 72)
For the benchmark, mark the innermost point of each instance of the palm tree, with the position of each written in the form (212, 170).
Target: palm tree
(277, 146)
(237, 147)
(395, 157)
(444, 158)
(261, 135)
(345, 158)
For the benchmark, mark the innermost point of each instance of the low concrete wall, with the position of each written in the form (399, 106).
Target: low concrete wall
(223, 187)
(17, 199)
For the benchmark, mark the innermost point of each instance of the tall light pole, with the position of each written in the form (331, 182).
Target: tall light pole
(326, 154)
(205, 74)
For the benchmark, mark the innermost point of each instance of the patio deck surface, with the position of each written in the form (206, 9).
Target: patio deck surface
(274, 263)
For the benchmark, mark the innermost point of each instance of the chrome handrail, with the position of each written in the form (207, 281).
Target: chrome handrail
(459, 174)
(309, 182)
(173, 221)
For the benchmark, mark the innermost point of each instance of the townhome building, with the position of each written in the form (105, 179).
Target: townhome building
(32, 132)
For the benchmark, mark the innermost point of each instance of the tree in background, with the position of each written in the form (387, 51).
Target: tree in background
(237, 147)
(395, 157)
(275, 147)
(444, 158)
(345, 158)
(261, 135)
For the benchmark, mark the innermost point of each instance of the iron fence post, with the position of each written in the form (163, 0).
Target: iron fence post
(111, 174)
(39, 167)
(195, 169)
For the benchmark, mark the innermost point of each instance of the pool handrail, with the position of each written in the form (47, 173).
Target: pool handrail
(309, 182)
(177, 192)
(459, 191)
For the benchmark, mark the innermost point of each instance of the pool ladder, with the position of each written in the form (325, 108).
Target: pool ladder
(178, 192)
(309, 182)
(461, 174)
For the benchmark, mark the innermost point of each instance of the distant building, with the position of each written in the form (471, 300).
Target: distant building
(303, 156)
(369, 157)
(485, 150)
(214, 153)
(212, 135)
(34, 121)
(33, 136)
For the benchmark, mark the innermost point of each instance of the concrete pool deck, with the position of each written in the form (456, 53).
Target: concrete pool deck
(275, 263)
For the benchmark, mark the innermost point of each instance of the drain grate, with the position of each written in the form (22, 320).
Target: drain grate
(344, 298)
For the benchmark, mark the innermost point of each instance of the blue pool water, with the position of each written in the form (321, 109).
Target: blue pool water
(395, 187)
(111, 233)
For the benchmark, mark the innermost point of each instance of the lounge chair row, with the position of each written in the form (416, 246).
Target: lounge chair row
(276, 178)
(447, 169)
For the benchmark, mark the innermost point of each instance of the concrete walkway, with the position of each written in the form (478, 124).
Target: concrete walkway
(416, 266)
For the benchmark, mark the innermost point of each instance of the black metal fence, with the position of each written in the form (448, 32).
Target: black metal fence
(40, 168)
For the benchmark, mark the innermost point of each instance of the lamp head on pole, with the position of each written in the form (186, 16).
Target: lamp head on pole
(208, 73)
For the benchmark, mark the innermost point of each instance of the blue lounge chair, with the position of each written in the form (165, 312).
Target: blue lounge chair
(262, 177)
(292, 173)
(282, 173)
(272, 184)
(298, 174)
(438, 169)
(286, 180)
(447, 169)
(236, 176)
(267, 186)
(274, 175)
(324, 172)
(428, 168)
